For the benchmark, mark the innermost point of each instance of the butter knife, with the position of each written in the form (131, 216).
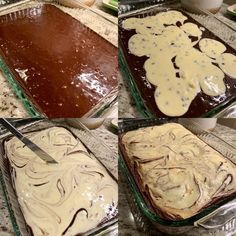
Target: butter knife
(32, 146)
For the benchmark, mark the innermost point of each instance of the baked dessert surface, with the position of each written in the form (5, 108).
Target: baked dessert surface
(178, 173)
(178, 66)
(68, 198)
(65, 68)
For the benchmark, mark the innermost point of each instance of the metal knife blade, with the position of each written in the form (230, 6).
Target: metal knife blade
(32, 146)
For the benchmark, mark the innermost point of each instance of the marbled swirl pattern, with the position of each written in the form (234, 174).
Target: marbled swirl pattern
(67, 198)
(179, 172)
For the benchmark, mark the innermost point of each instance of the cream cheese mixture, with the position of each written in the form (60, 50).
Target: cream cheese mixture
(181, 173)
(67, 198)
(175, 67)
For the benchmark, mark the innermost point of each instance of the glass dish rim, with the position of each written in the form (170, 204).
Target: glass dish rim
(101, 107)
(125, 70)
(98, 230)
(137, 193)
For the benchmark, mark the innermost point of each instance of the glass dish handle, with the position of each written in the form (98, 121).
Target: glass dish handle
(220, 217)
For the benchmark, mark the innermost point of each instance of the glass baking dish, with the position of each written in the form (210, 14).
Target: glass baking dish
(229, 112)
(16, 216)
(98, 110)
(217, 216)
(141, 91)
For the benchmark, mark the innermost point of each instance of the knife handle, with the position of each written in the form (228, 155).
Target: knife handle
(11, 128)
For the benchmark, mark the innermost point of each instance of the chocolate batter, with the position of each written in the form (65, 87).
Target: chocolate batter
(201, 105)
(63, 67)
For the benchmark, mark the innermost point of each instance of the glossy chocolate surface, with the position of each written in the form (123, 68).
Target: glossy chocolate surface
(202, 103)
(64, 68)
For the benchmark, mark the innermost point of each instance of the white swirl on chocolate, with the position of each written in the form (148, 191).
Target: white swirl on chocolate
(67, 198)
(180, 173)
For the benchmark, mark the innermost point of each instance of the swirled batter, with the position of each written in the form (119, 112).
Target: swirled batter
(177, 69)
(68, 198)
(179, 173)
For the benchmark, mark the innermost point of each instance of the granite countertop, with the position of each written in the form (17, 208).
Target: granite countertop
(127, 224)
(127, 106)
(106, 133)
(11, 106)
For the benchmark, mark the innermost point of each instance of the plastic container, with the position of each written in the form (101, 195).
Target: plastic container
(209, 5)
(220, 216)
(16, 216)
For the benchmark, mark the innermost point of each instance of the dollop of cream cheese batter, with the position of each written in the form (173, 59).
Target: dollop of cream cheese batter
(191, 29)
(227, 62)
(175, 67)
(211, 47)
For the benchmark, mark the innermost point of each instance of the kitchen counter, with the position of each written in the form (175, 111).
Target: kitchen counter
(109, 138)
(127, 106)
(10, 105)
(127, 225)
(229, 2)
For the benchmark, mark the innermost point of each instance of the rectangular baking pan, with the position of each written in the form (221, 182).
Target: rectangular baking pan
(142, 91)
(16, 216)
(215, 216)
(23, 92)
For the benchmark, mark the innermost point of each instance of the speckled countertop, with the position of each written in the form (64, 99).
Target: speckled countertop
(10, 105)
(127, 225)
(104, 133)
(127, 106)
